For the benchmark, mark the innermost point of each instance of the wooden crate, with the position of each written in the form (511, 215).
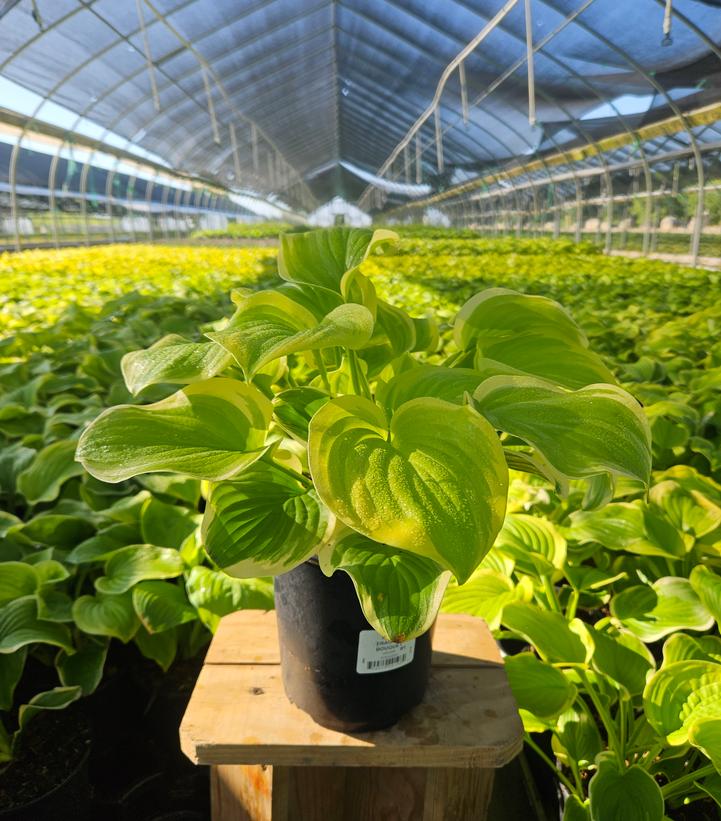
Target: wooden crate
(269, 759)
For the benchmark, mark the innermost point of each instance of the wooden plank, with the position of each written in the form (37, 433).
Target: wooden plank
(241, 792)
(239, 714)
(250, 637)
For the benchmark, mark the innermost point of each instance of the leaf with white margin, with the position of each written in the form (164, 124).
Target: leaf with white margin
(135, 563)
(434, 482)
(264, 523)
(399, 592)
(449, 384)
(619, 792)
(597, 429)
(269, 325)
(321, 258)
(679, 647)
(209, 430)
(172, 360)
(56, 699)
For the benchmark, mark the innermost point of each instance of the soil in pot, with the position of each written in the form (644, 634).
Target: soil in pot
(334, 665)
(48, 778)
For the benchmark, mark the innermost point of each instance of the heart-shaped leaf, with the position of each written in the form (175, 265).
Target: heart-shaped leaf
(49, 470)
(622, 657)
(679, 647)
(173, 360)
(322, 258)
(161, 606)
(17, 579)
(158, 647)
(84, 668)
(400, 592)
(597, 429)
(538, 687)
(449, 384)
(295, 407)
(106, 615)
(56, 699)
(533, 543)
(165, 525)
(11, 670)
(210, 430)
(619, 792)
(705, 735)
(270, 325)
(264, 523)
(216, 594)
(707, 585)
(433, 483)
(135, 563)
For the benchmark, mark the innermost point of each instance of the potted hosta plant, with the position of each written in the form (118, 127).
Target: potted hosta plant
(333, 436)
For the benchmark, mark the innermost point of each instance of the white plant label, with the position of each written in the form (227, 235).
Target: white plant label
(376, 655)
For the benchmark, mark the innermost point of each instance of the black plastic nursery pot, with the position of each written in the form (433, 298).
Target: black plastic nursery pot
(334, 665)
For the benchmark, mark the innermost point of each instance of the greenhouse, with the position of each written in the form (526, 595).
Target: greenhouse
(360, 410)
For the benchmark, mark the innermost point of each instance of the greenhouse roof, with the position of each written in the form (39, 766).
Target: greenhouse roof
(312, 99)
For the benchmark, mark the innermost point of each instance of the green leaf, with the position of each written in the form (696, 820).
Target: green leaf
(597, 429)
(161, 606)
(576, 810)
(531, 334)
(706, 736)
(434, 483)
(165, 525)
(707, 586)
(135, 563)
(577, 737)
(11, 670)
(106, 615)
(538, 687)
(215, 594)
(533, 543)
(485, 594)
(57, 530)
(322, 258)
(449, 384)
(20, 626)
(631, 526)
(264, 523)
(56, 699)
(680, 695)
(84, 668)
(269, 325)
(670, 604)
(17, 579)
(622, 657)
(158, 647)
(210, 430)
(173, 360)
(295, 407)
(400, 592)
(623, 793)
(688, 510)
(53, 465)
(104, 543)
(547, 631)
(679, 647)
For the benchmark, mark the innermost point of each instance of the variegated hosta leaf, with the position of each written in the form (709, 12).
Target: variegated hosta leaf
(485, 594)
(707, 586)
(434, 482)
(597, 429)
(268, 325)
(294, 408)
(680, 695)
(400, 592)
(618, 791)
(449, 384)
(533, 543)
(321, 258)
(264, 523)
(173, 360)
(210, 430)
(532, 334)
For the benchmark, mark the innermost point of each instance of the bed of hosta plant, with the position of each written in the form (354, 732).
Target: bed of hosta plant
(245, 230)
(609, 612)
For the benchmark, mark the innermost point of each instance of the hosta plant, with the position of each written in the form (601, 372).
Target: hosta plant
(324, 423)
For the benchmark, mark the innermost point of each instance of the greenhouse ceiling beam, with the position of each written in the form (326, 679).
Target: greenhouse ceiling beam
(216, 79)
(429, 111)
